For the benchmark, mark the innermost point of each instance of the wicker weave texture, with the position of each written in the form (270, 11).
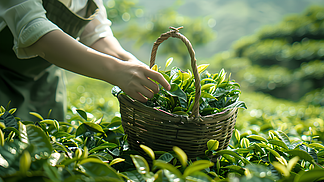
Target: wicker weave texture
(161, 131)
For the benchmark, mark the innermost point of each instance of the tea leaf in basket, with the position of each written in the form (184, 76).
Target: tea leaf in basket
(207, 86)
(168, 62)
(201, 68)
(155, 68)
(165, 76)
(182, 155)
(237, 104)
(207, 95)
(176, 91)
(180, 113)
(207, 80)
(221, 76)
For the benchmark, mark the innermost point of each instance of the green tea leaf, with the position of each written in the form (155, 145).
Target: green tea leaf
(36, 115)
(168, 62)
(281, 168)
(278, 143)
(202, 82)
(106, 145)
(258, 137)
(25, 162)
(283, 137)
(166, 76)
(149, 151)
(311, 175)
(52, 122)
(232, 153)
(115, 123)
(316, 145)
(39, 139)
(133, 176)
(166, 157)
(202, 68)
(275, 153)
(207, 86)
(9, 120)
(12, 111)
(2, 140)
(82, 113)
(207, 95)
(2, 109)
(199, 176)
(164, 165)
(84, 127)
(180, 113)
(197, 166)
(155, 68)
(238, 169)
(116, 160)
(182, 156)
(237, 135)
(292, 162)
(221, 76)
(212, 145)
(301, 154)
(52, 173)
(141, 164)
(59, 146)
(245, 143)
(95, 167)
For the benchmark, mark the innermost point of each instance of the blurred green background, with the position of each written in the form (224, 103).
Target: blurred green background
(274, 49)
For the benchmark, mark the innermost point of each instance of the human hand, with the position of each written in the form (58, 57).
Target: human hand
(134, 78)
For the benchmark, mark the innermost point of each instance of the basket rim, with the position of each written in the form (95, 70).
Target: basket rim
(220, 115)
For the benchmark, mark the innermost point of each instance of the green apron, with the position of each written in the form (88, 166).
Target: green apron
(35, 85)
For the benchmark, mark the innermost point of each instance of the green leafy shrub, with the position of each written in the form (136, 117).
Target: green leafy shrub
(48, 150)
(284, 60)
(218, 92)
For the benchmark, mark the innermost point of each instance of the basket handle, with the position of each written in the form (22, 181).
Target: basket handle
(175, 33)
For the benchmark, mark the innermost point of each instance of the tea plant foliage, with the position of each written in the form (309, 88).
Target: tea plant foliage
(218, 92)
(84, 150)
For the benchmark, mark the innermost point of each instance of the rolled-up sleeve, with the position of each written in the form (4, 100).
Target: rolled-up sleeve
(97, 28)
(27, 21)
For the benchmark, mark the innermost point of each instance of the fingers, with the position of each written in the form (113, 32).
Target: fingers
(159, 78)
(138, 83)
(137, 96)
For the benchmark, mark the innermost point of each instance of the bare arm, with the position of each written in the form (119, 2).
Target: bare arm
(110, 45)
(132, 77)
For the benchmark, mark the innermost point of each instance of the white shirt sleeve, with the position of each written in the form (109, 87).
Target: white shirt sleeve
(27, 21)
(97, 28)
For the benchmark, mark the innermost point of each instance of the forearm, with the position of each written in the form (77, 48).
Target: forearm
(111, 46)
(62, 50)
(133, 78)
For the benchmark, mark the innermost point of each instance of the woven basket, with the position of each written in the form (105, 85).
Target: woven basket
(161, 130)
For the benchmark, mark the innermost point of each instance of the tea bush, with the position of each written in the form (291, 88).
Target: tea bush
(284, 60)
(94, 150)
